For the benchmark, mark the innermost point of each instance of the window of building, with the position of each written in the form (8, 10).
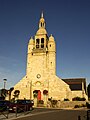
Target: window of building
(37, 43)
(42, 42)
(50, 45)
(75, 87)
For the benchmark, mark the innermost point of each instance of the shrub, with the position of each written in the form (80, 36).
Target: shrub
(40, 102)
(66, 99)
(83, 99)
(83, 105)
(78, 99)
(54, 103)
(50, 99)
(76, 106)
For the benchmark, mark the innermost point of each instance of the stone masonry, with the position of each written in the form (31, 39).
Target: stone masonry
(41, 69)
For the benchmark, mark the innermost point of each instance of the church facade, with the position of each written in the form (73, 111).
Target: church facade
(41, 70)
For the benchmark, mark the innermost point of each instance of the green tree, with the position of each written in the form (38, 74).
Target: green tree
(4, 93)
(45, 92)
(35, 93)
(9, 92)
(88, 90)
(16, 93)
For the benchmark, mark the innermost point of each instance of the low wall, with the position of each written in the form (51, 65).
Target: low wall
(67, 104)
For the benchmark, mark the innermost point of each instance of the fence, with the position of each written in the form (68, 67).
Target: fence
(4, 111)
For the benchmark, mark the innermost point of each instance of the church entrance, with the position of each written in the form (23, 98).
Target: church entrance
(39, 95)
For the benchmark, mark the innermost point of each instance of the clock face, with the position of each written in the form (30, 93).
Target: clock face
(38, 76)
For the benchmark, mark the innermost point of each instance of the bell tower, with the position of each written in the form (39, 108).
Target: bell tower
(41, 37)
(41, 57)
(37, 50)
(41, 49)
(42, 21)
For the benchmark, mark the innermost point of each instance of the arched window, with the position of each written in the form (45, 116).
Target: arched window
(37, 43)
(41, 24)
(42, 42)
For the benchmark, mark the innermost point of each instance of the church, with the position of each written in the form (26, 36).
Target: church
(41, 71)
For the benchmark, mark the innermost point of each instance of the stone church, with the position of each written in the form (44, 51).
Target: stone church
(41, 70)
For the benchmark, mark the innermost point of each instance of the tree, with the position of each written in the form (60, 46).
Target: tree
(45, 92)
(35, 93)
(88, 90)
(9, 92)
(4, 93)
(16, 93)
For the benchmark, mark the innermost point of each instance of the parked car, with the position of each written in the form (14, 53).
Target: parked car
(4, 105)
(21, 105)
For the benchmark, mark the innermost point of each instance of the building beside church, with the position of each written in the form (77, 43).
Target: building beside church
(41, 70)
(77, 86)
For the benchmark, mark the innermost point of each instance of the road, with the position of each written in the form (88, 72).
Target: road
(50, 114)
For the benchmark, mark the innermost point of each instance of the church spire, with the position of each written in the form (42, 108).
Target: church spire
(42, 14)
(42, 21)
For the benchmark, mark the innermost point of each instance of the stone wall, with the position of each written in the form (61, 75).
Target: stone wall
(69, 104)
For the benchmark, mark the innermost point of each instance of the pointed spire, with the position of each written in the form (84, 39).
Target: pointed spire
(42, 21)
(42, 14)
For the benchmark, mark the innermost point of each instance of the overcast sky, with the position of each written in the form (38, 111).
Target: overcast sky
(67, 20)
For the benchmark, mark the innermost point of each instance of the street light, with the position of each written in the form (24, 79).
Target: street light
(4, 82)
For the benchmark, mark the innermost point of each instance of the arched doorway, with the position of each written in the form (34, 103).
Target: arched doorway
(39, 95)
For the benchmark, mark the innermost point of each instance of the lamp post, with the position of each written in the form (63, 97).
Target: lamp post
(4, 82)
